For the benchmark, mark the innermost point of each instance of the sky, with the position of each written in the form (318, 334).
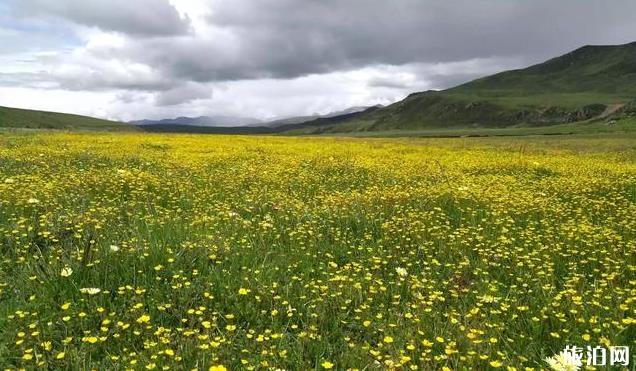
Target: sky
(136, 59)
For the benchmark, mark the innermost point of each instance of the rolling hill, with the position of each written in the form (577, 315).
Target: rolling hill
(592, 82)
(24, 118)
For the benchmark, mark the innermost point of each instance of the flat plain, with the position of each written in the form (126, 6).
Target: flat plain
(232, 252)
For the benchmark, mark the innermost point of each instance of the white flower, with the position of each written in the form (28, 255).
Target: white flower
(114, 248)
(564, 362)
(66, 272)
(9, 181)
(401, 272)
(90, 290)
(33, 200)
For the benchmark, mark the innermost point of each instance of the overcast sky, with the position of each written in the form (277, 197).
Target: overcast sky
(133, 59)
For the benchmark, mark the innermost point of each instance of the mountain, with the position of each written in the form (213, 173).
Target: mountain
(280, 127)
(289, 121)
(349, 111)
(592, 82)
(241, 125)
(330, 119)
(214, 121)
(25, 118)
(303, 119)
(194, 129)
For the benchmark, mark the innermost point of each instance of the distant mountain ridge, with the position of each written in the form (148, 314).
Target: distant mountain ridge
(303, 119)
(232, 121)
(216, 121)
(278, 128)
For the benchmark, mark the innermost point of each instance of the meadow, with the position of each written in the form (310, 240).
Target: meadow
(150, 251)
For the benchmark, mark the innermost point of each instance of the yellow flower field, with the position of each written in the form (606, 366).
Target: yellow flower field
(147, 251)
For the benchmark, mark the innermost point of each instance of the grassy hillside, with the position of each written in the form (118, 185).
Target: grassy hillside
(23, 118)
(588, 75)
(590, 83)
(621, 127)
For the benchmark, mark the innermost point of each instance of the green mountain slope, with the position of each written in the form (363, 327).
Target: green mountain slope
(604, 72)
(591, 82)
(24, 118)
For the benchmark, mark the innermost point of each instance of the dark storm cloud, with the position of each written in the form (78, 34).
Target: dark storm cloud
(85, 79)
(171, 55)
(182, 94)
(134, 17)
(290, 38)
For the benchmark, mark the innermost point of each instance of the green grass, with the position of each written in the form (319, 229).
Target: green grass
(297, 253)
(31, 119)
(608, 72)
(520, 99)
(618, 127)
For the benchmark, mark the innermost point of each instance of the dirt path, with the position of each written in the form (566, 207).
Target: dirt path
(611, 109)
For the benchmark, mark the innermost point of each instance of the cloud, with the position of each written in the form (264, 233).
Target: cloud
(245, 39)
(149, 58)
(83, 69)
(134, 17)
(290, 38)
(128, 97)
(106, 76)
(444, 75)
(183, 94)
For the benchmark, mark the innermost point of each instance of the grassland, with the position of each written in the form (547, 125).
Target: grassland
(618, 126)
(180, 252)
(31, 119)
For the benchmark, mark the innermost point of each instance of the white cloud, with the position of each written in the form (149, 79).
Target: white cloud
(156, 58)
(83, 103)
(183, 94)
